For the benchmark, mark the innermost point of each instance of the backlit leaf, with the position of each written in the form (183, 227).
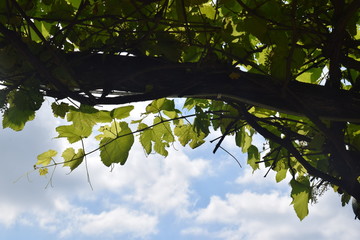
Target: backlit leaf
(301, 195)
(46, 157)
(187, 135)
(121, 112)
(72, 159)
(43, 171)
(60, 110)
(116, 150)
(243, 140)
(16, 118)
(73, 133)
(281, 175)
(253, 157)
(145, 138)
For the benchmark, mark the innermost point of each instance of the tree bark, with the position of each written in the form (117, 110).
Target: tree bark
(133, 79)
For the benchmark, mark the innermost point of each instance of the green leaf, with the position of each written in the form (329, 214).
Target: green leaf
(298, 58)
(116, 150)
(109, 131)
(46, 157)
(345, 198)
(159, 105)
(311, 76)
(43, 171)
(162, 136)
(243, 140)
(16, 118)
(145, 138)
(83, 120)
(253, 157)
(281, 175)
(74, 3)
(279, 63)
(301, 195)
(171, 114)
(121, 112)
(208, 11)
(60, 110)
(72, 159)
(87, 116)
(256, 26)
(23, 104)
(190, 103)
(186, 134)
(201, 121)
(73, 133)
(158, 137)
(7, 58)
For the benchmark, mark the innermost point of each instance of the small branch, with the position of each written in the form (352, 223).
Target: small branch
(28, 20)
(274, 162)
(227, 130)
(252, 120)
(231, 155)
(117, 137)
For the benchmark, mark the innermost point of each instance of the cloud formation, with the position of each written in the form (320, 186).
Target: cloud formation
(198, 194)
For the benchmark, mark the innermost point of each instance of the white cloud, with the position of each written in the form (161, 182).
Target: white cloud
(129, 200)
(262, 180)
(134, 199)
(255, 216)
(236, 207)
(155, 184)
(196, 231)
(8, 214)
(119, 220)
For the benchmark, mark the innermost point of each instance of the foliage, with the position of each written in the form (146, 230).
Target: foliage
(288, 70)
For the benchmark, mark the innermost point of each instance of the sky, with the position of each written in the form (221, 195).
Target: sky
(191, 194)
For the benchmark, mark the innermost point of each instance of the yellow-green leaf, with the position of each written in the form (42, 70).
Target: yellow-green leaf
(122, 112)
(253, 157)
(73, 133)
(116, 150)
(72, 159)
(186, 134)
(43, 171)
(46, 157)
(301, 195)
(145, 138)
(281, 175)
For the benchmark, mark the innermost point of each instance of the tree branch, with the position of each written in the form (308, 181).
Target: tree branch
(148, 78)
(253, 121)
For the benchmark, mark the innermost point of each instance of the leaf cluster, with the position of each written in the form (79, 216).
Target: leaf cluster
(282, 45)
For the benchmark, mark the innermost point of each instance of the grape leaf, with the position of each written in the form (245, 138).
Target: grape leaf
(145, 138)
(301, 195)
(16, 118)
(43, 171)
(73, 133)
(46, 157)
(243, 140)
(72, 159)
(253, 157)
(186, 134)
(60, 110)
(121, 112)
(281, 175)
(116, 150)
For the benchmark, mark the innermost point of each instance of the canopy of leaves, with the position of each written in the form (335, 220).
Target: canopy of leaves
(288, 70)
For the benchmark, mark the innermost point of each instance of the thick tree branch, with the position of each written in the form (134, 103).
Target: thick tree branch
(150, 78)
(38, 65)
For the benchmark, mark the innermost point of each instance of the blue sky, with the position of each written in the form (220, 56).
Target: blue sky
(191, 194)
